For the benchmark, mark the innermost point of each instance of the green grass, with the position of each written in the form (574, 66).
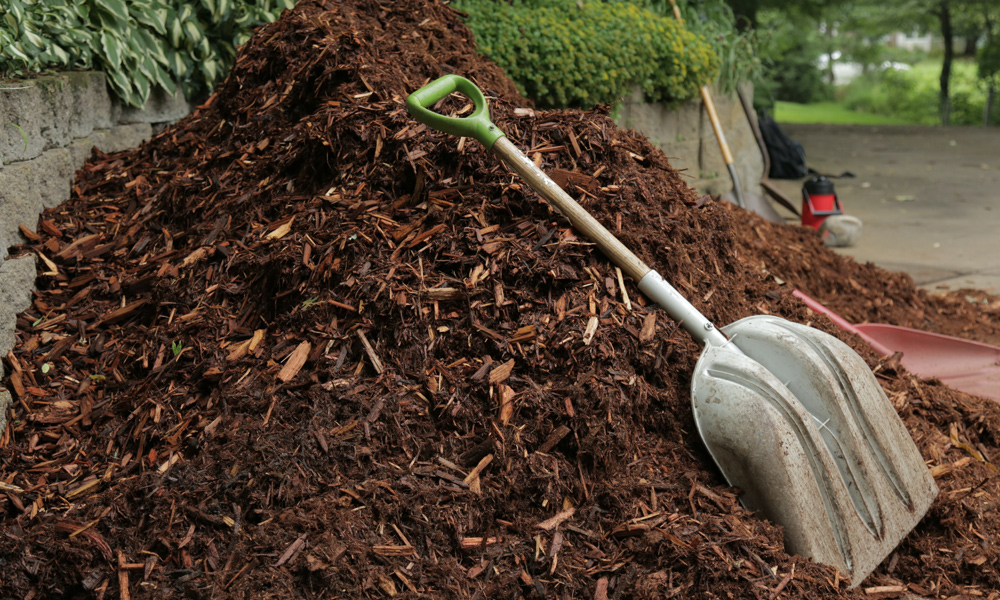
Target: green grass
(830, 112)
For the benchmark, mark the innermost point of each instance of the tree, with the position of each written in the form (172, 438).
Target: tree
(878, 17)
(943, 13)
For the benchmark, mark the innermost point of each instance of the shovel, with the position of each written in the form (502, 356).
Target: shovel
(968, 366)
(791, 415)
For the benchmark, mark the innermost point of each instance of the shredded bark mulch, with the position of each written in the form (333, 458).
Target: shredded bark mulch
(300, 346)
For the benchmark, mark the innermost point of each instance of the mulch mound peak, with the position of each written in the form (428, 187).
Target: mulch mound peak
(300, 346)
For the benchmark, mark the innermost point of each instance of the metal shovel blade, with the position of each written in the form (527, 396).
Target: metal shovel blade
(797, 421)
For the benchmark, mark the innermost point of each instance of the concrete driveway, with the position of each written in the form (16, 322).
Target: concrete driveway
(929, 197)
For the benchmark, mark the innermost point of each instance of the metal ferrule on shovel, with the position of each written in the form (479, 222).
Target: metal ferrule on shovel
(791, 415)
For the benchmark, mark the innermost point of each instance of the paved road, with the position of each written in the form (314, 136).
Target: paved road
(929, 197)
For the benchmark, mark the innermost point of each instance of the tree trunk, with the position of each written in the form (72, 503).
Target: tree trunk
(944, 15)
(970, 43)
(990, 95)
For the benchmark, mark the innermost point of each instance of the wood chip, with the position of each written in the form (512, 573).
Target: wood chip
(621, 286)
(601, 589)
(295, 362)
(502, 372)
(28, 233)
(506, 396)
(474, 473)
(473, 543)
(123, 577)
(885, 591)
(291, 550)
(394, 550)
(552, 523)
(282, 230)
(648, 328)
(370, 351)
(588, 333)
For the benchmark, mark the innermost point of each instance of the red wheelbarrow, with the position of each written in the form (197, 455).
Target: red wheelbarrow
(967, 366)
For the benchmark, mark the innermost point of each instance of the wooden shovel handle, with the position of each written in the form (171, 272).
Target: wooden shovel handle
(583, 221)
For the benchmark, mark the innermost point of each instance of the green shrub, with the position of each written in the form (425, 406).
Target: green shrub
(988, 61)
(914, 94)
(566, 53)
(138, 43)
(714, 20)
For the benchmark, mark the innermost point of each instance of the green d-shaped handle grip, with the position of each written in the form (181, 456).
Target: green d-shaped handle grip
(477, 125)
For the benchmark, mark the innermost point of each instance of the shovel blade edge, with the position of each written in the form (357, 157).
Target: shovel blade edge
(796, 419)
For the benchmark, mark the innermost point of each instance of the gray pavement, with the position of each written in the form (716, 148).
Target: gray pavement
(929, 198)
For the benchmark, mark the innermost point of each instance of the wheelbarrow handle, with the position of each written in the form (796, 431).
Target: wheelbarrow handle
(477, 125)
(650, 282)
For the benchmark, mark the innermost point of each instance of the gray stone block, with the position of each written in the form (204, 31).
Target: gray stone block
(54, 172)
(713, 187)
(689, 121)
(653, 121)
(116, 139)
(28, 187)
(23, 115)
(20, 201)
(161, 107)
(683, 156)
(91, 105)
(48, 112)
(686, 136)
(710, 161)
(80, 149)
(17, 281)
(57, 97)
(123, 137)
(5, 402)
(723, 107)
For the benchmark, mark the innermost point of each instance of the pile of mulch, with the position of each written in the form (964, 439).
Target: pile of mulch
(300, 346)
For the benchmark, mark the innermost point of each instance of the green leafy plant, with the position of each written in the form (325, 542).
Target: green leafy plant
(715, 22)
(565, 53)
(139, 44)
(177, 347)
(988, 61)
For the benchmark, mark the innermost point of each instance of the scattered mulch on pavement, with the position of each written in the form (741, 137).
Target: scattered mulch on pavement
(301, 346)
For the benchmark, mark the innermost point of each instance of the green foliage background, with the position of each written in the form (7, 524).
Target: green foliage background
(572, 53)
(714, 20)
(790, 46)
(137, 43)
(913, 94)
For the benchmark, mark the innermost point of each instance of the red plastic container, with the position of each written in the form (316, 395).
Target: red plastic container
(819, 201)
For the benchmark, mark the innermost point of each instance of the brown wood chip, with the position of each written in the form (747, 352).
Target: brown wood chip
(295, 362)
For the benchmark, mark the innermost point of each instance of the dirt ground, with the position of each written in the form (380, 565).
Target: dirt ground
(928, 197)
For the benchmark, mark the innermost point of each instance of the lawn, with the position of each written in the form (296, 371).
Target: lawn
(830, 112)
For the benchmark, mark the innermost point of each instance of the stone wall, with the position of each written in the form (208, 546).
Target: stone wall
(685, 135)
(48, 128)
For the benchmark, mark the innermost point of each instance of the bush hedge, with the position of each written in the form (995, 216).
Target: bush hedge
(137, 43)
(571, 53)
